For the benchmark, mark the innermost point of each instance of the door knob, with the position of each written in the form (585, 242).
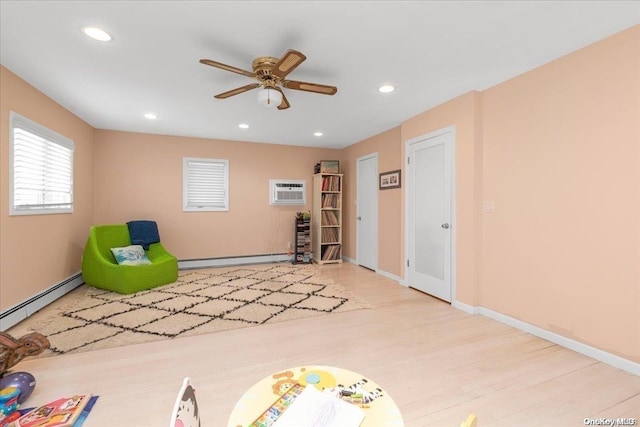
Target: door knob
(445, 225)
(359, 218)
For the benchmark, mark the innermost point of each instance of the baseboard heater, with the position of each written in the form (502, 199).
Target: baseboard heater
(228, 261)
(19, 312)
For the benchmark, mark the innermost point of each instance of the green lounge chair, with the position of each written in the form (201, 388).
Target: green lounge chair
(100, 269)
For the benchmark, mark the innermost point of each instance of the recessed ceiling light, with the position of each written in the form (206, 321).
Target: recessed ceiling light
(317, 134)
(97, 34)
(150, 116)
(386, 89)
(243, 126)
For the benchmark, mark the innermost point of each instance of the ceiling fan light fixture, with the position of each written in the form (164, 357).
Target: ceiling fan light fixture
(150, 116)
(386, 89)
(243, 126)
(269, 97)
(318, 133)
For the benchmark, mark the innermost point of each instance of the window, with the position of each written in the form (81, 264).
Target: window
(41, 169)
(205, 184)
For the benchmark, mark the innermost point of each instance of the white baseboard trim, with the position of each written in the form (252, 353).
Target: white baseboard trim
(587, 350)
(21, 311)
(389, 275)
(464, 307)
(380, 272)
(227, 261)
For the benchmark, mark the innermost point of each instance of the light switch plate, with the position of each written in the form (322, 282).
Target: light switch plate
(488, 206)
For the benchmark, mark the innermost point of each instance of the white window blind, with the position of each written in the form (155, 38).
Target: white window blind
(41, 169)
(205, 184)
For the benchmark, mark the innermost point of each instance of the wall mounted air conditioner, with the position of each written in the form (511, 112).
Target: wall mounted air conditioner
(287, 192)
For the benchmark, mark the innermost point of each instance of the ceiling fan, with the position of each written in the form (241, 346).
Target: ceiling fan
(270, 73)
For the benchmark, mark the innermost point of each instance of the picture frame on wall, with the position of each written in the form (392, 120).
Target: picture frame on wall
(389, 180)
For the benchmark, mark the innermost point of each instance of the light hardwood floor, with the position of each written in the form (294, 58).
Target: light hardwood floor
(438, 363)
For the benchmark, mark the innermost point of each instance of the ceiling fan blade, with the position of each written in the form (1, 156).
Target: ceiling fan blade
(236, 91)
(227, 67)
(285, 102)
(289, 61)
(310, 87)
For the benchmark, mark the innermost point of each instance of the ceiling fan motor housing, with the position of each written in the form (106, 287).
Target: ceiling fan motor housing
(263, 65)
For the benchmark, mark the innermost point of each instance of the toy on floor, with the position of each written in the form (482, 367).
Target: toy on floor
(8, 405)
(13, 350)
(287, 379)
(356, 393)
(185, 409)
(23, 381)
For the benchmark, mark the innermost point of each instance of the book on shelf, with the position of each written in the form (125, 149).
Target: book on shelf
(330, 252)
(330, 200)
(331, 183)
(63, 412)
(330, 235)
(330, 218)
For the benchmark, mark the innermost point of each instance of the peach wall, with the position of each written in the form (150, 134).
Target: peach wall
(463, 113)
(387, 145)
(38, 251)
(561, 163)
(139, 176)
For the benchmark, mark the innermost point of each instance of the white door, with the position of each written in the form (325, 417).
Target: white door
(429, 213)
(367, 211)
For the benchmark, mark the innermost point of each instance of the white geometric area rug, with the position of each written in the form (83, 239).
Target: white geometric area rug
(199, 302)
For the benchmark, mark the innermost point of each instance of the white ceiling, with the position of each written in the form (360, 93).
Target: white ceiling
(432, 51)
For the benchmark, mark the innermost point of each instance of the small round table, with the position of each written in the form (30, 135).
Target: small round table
(380, 412)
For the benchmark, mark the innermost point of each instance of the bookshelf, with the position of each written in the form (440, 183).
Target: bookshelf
(326, 218)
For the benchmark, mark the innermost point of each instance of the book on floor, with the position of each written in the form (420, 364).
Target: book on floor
(63, 412)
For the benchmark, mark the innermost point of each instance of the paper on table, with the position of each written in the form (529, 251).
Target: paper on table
(316, 409)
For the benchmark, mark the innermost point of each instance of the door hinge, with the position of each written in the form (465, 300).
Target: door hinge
(407, 263)
(408, 160)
